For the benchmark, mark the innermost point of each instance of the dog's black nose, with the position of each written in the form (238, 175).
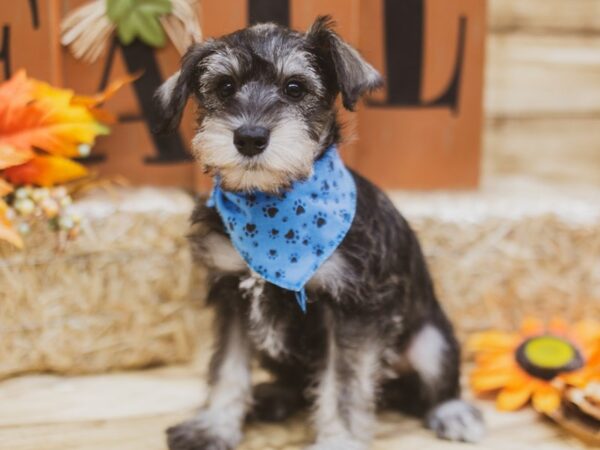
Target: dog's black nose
(251, 140)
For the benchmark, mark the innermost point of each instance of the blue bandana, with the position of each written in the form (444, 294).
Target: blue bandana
(286, 238)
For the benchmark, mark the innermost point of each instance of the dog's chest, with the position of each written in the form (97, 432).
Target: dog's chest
(277, 326)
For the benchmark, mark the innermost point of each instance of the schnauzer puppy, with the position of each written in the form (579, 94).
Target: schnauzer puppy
(374, 335)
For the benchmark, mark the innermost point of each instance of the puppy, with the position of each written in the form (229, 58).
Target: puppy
(374, 335)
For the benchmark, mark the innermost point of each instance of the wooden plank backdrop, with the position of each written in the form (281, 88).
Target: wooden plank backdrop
(542, 83)
(424, 132)
(542, 97)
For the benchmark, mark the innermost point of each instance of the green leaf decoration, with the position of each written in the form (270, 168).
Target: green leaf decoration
(139, 19)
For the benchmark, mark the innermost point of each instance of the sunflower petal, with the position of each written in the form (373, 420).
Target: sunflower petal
(492, 340)
(558, 326)
(531, 326)
(511, 399)
(483, 381)
(546, 398)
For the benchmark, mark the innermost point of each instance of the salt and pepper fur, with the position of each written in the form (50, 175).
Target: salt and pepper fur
(374, 335)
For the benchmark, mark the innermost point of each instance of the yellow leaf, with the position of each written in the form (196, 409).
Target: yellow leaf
(45, 171)
(36, 115)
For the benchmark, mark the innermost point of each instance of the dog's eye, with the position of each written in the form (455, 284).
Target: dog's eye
(294, 89)
(226, 88)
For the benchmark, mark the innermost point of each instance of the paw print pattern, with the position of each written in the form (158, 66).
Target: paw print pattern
(250, 229)
(345, 215)
(270, 211)
(231, 223)
(250, 199)
(280, 273)
(284, 235)
(299, 207)
(291, 236)
(320, 219)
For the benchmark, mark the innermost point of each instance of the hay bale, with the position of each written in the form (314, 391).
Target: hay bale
(116, 297)
(512, 250)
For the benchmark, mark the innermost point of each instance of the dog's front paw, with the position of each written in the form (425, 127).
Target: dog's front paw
(274, 402)
(456, 420)
(192, 435)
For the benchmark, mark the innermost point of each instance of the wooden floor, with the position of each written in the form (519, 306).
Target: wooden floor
(130, 411)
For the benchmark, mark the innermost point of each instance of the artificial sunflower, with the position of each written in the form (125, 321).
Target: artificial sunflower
(536, 363)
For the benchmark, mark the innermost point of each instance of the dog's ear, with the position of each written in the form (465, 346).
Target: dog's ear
(171, 97)
(354, 76)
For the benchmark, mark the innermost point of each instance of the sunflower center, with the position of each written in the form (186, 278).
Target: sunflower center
(547, 356)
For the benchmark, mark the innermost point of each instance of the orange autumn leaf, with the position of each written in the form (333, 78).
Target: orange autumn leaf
(93, 101)
(48, 120)
(10, 156)
(7, 232)
(45, 171)
(107, 93)
(15, 91)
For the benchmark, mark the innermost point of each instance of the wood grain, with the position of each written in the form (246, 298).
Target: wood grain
(545, 16)
(131, 411)
(553, 150)
(542, 76)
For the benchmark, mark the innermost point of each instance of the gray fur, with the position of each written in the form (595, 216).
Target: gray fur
(374, 334)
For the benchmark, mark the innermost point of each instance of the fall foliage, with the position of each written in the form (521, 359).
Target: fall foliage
(41, 129)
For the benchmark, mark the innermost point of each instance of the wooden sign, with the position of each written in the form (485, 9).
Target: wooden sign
(132, 150)
(29, 38)
(423, 130)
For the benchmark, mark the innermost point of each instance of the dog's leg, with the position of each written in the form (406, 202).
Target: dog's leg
(434, 355)
(281, 398)
(218, 426)
(345, 394)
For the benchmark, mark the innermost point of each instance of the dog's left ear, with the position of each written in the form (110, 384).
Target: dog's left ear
(354, 76)
(171, 97)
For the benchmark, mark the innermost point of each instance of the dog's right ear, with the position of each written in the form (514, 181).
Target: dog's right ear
(171, 97)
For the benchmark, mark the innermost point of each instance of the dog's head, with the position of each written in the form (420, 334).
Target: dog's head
(267, 101)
